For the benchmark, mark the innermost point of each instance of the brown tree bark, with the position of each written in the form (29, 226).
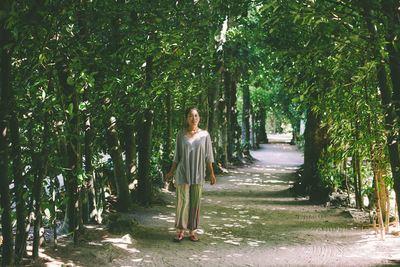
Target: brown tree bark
(229, 119)
(40, 166)
(72, 150)
(261, 129)
(223, 124)
(246, 115)
(314, 145)
(392, 15)
(391, 20)
(89, 170)
(5, 95)
(236, 129)
(145, 189)
(388, 101)
(19, 182)
(356, 175)
(124, 202)
(130, 151)
(213, 93)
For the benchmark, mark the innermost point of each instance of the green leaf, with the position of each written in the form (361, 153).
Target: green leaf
(70, 81)
(3, 14)
(70, 108)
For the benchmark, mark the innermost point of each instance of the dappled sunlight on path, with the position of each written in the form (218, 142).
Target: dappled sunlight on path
(250, 218)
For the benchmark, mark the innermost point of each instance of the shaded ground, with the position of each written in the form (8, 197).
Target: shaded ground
(248, 219)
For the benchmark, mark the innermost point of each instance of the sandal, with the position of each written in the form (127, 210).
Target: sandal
(178, 238)
(194, 238)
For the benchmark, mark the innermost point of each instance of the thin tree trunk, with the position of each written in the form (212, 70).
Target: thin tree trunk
(355, 179)
(359, 181)
(19, 182)
(124, 202)
(236, 129)
(5, 91)
(392, 17)
(392, 144)
(262, 132)
(222, 122)
(387, 214)
(145, 189)
(253, 127)
(89, 170)
(213, 93)
(168, 139)
(383, 194)
(73, 152)
(40, 174)
(314, 145)
(378, 168)
(346, 177)
(230, 134)
(53, 193)
(246, 115)
(387, 102)
(130, 152)
(379, 211)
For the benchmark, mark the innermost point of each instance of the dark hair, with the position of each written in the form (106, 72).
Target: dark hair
(190, 109)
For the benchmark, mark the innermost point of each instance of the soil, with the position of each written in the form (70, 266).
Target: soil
(249, 218)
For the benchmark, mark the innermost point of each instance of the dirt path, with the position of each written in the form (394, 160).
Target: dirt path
(248, 219)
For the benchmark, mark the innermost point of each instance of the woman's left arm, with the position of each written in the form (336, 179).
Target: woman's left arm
(210, 168)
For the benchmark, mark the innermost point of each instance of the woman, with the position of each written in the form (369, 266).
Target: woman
(193, 152)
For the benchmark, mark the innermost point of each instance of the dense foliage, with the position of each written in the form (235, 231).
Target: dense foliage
(93, 92)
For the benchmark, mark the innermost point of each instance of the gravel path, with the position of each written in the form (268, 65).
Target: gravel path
(250, 218)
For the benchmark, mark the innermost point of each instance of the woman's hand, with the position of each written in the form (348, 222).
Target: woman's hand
(168, 176)
(213, 180)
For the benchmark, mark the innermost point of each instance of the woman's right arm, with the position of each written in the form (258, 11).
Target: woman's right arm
(176, 158)
(171, 172)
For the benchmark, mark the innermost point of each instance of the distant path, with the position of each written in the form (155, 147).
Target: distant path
(250, 218)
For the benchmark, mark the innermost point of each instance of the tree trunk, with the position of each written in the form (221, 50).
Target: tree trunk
(145, 190)
(72, 150)
(130, 152)
(222, 122)
(390, 9)
(19, 183)
(213, 93)
(377, 175)
(75, 163)
(378, 168)
(40, 173)
(313, 147)
(228, 118)
(357, 184)
(53, 221)
(5, 95)
(89, 170)
(296, 132)
(246, 115)
(392, 143)
(253, 128)
(124, 202)
(261, 129)
(236, 129)
(168, 140)
(387, 103)
(392, 15)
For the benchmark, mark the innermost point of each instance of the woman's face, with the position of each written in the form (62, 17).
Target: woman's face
(193, 118)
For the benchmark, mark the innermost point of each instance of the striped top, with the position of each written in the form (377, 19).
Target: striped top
(191, 155)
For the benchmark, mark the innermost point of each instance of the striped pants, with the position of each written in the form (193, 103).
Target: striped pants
(188, 206)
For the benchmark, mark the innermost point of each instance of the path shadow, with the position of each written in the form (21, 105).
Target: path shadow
(279, 197)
